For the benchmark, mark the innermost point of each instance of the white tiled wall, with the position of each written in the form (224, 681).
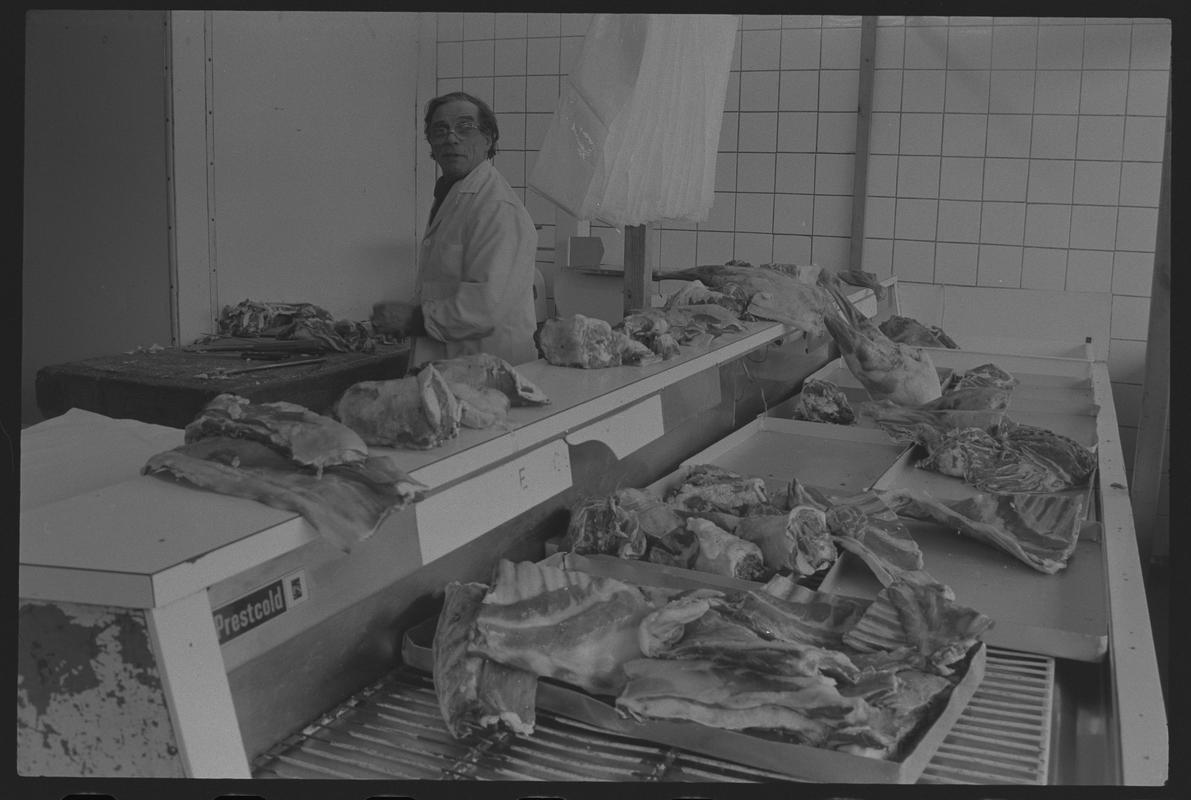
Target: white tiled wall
(1004, 151)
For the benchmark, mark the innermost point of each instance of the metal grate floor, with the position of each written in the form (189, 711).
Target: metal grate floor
(393, 730)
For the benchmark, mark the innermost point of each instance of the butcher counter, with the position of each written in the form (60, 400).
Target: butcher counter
(129, 584)
(123, 576)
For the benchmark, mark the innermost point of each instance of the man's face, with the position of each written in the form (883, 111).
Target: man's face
(457, 155)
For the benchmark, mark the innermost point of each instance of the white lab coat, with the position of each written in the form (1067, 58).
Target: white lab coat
(476, 273)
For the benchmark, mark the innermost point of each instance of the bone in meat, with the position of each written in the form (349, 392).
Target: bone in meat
(561, 624)
(472, 689)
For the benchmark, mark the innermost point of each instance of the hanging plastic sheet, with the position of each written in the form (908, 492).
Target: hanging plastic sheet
(634, 137)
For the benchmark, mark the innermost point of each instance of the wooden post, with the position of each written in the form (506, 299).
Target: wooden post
(864, 114)
(636, 274)
(1150, 449)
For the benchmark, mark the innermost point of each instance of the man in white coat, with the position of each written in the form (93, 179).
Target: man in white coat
(474, 291)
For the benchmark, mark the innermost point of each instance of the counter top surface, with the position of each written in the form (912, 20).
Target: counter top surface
(89, 516)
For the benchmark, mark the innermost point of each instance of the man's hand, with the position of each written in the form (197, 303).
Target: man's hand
(397, 317)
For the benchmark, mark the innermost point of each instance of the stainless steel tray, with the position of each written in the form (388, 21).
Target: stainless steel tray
(393, 729)
(1063, 615)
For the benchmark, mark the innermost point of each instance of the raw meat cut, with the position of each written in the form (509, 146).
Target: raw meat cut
(309, 439)
(798, 541)
(561, 624)
(662, 330)
(706, 692)
(419, 411)
(1010, 458)
(655, 517)
(667, 539)
(651, 328)
(907, 330)
(251, 319)
(255, 318)
(800, 616)
(602, 525)
(486, 371)
(823, 401)
(982, 375)
(938, 631)
(1063, 462)
(864, 525)
(662, 628)
(764, 294)
(472, 689)
(345, 504)
(965, 453)
(707, 487)
(480, 408)
(712, 658)
(723, 553)
(1040, 530)
(589, 343)
(722, 634)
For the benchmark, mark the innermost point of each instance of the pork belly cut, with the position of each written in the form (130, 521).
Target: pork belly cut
(803, 616)
(719, 634)
(731, 698)
(472, 689)
(1040, 530)
(799, 636)
(561, 624)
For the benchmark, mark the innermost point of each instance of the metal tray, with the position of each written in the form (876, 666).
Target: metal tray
(836, 458)
(794, 761)
(393, 729)
(1063, 615)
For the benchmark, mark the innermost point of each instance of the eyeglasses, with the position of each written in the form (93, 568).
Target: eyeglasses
(463, 129)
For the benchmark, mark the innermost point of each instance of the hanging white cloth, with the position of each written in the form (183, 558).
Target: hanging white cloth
(635, 134)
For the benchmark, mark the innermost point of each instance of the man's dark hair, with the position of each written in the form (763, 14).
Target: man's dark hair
(486, 121)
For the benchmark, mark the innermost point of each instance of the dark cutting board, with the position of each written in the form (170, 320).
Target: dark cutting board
(164, 387)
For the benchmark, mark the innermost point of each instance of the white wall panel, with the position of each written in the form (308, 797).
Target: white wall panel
(316, 136)
(96, 258)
